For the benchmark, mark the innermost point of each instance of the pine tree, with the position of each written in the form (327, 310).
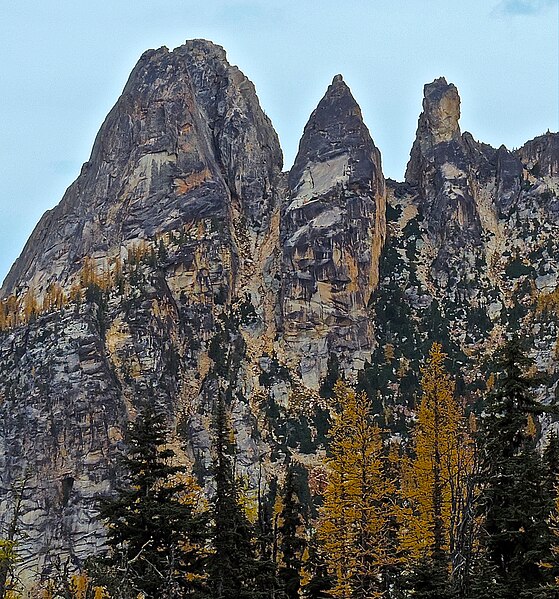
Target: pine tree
(551, 462)
(515, 499)
(154, 532)
(291, 540)
(315, 579)
(555, 541)
(435, 482)
(355, 517)
(232, 567)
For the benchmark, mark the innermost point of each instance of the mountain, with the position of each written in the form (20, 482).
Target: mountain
(183, 263)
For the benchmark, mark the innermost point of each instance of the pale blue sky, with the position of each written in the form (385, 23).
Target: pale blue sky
(65, 62)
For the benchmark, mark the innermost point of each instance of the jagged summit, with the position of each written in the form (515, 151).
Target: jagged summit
(438, 123)
(332, 232)
(204, 46)
(541, 155)
(187, 139)
(441, 110)
(336, 133)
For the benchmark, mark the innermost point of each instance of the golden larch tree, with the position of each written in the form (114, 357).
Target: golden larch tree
(436, 476)
(355, 518)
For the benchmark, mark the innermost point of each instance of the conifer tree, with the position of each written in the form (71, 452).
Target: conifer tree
(551, 462)
(435, 480)
(315, 579)
(515, 499)
(291, 540)
(555, 542)
(232, 567)
(355, 517)
(9, 542)
(154, 532)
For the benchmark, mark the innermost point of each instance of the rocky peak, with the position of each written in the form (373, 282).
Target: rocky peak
(540, 156)
(332, 232)
(438, 123)
(232, 276)
(440, 165)
(245, 140)
(441, 110)
(186, 140)
(508, 178)
(336, 129)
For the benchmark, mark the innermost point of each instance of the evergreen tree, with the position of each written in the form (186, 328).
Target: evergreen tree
(316, 582)
(515, 498)
(267, 581)
(333, 375)
(233, 569)
(551, 462)
(555, 542)
(291, 541)
(355, 517)
(9, 550)
(154, 532)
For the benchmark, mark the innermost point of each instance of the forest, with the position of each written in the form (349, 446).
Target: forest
(464, 506)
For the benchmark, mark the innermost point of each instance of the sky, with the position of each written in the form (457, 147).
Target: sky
(64, 64)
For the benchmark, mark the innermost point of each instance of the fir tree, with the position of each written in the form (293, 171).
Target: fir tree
(551, 462)
(233, 570)
(291, 541)
(333, 375)
(267, 581)
(316, 582)
(154, 533)
(515, 499)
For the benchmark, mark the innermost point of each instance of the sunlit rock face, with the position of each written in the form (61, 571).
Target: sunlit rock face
(332, 231)
(186, 141)
(167, 227)
(183, 264)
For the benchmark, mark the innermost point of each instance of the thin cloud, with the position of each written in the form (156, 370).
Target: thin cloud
(524, 7)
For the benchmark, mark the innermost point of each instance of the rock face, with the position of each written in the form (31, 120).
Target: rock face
(332, 231)
(187, 140)
(162, 227)
(182, 264)
(439, 166)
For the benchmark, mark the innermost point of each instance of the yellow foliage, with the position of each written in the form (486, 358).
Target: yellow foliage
(16, 310)
(548, 302)
(8, 551)
(30, 306)
(355, 518)
(79, 583)
(248, 500)
(531, 430)
(434, 479)
(48, 591)
(389, 352)
(89, 275)
(192, 494)
(54, 298)
(100, 593)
